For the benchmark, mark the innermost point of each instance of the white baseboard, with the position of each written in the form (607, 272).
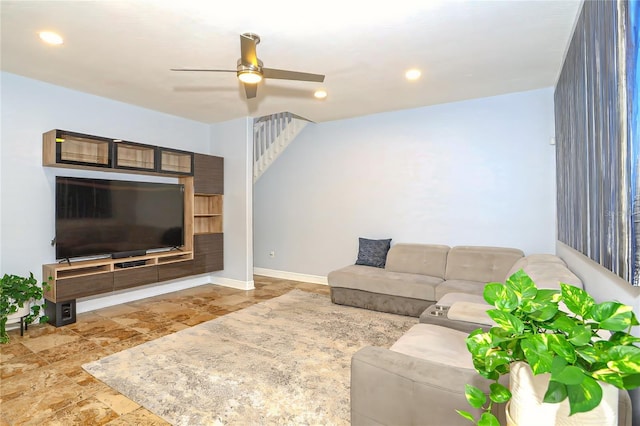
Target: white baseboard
(99, 302)
(294, 276)
(228, 282)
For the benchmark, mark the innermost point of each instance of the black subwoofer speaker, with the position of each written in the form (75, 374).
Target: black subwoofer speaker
(61, 313)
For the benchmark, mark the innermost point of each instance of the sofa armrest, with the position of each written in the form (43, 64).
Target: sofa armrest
(391, 388)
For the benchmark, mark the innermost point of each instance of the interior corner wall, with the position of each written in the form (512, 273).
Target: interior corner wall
(233, 141)
(27, 189)
(1, 123)
(478, 172)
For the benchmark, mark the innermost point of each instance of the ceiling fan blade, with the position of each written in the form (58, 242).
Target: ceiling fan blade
(251, 90)
(200, 69)
(291, 75)
(248, 54)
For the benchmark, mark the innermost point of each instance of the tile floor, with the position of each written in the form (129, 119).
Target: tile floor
(41, 378)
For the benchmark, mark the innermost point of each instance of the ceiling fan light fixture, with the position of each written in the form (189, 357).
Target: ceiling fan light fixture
(413, 74)
(320, 94)
(249, 77)
(50, 37)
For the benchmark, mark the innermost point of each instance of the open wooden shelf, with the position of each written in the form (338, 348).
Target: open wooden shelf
(207, 217)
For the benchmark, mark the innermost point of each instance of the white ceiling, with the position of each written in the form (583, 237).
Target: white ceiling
(123, 50)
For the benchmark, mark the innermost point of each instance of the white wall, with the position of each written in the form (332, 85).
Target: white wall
(233, 140)
(30, 108)
(479, 172)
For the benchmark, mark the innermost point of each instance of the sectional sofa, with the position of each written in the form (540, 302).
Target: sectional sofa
(415, 276)
(421, 378)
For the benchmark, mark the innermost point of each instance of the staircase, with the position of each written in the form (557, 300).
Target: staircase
(271, 136)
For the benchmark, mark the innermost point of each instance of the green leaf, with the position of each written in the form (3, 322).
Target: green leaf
(561, 347)
(545, 295)
(632, 381)
(496, 358)
(488, 419)
(624, 359)
(522, 285)
(613, 316)
(467, 415)
(508, 300)
(479, 344)
(569, 375)
(556, 392)
(506, 320)
(545, 313)
(624, 339)
(492, 292)
(609, 376)
(499, 393)
(537, 353)
(577, 300)
(584, 397)
(580, 335)
(588, 353)
(563, 322)
(475, 396)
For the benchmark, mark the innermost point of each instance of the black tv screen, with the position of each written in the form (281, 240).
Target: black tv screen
(100, 216)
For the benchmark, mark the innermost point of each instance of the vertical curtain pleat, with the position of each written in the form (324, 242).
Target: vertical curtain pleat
(597, 147)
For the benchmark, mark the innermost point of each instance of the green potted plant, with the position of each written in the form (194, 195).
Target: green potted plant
(17, 297)
(557, 333)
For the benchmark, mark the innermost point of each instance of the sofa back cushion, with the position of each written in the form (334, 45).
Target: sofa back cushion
(423, 259)
(477, 263)
(533, 259)
(549, 274)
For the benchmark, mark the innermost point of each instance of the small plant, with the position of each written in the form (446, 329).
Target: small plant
(531, 327)
(15, 291)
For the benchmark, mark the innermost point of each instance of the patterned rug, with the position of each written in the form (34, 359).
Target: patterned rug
(284, 361)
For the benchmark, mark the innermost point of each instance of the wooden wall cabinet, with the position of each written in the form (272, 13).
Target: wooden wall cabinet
(208, 185)
(175, 162)
(208, 174)
(203, 251)
(61, 148)
(76, 150)
(134, 156)
(92, 277)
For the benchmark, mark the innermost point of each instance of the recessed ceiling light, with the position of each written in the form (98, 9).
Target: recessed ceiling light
(413, 74)
(50, 37)
(320, 94)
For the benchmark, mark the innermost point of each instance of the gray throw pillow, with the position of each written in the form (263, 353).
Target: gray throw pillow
(373, 252)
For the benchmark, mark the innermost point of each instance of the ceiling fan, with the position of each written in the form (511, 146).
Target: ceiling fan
(250, 70)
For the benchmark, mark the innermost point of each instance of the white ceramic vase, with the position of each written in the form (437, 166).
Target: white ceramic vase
(527, 409)
(14, 318)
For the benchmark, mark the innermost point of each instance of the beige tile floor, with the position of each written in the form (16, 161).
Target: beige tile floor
(41, 378)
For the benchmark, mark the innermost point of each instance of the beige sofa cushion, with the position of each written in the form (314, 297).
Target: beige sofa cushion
(423, 259)
(376, 280)
(533, 259)
(477, 263)
(470, 312)
(437, 344)
(451, 298)
(460, 286)
(546, 271)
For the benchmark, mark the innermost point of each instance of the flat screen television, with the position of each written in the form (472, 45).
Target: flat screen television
(115, 217)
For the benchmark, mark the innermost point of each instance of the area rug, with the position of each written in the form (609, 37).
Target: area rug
(284, 361)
